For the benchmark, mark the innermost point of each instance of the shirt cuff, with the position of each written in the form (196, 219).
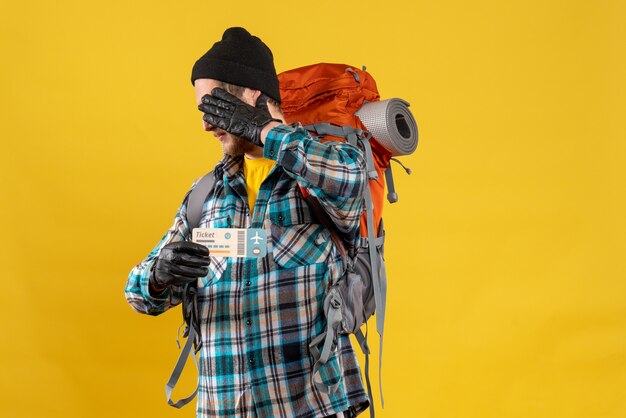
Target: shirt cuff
(276, 140)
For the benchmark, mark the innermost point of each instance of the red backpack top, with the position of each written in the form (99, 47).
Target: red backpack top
(334, 93)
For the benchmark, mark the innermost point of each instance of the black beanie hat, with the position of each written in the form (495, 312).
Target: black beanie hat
(240, 59)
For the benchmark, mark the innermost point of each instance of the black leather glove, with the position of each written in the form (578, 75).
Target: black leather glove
(179, 263)
(227, 112)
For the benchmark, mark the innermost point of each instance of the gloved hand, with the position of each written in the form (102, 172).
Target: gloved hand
(179, 263)
(227, 112)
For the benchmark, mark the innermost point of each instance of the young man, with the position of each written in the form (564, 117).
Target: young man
(258, 315)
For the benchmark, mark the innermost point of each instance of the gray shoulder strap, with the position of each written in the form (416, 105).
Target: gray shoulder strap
(379, 281)
(178, 370)
(196, 200)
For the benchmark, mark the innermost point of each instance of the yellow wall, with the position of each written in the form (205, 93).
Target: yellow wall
(507, 293)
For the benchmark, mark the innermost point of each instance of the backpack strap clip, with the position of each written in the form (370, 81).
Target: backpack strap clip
(379, 241)
(364, 140)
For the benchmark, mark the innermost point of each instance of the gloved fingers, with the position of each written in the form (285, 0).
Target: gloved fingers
(188, 247)
(208, 100)
(194, 248)
(261, 102)
(216, 101)
(180, 280)
(163, 276)
(215, 110)
(187, 271)
(191, 260)
(226, 96)
(220, 122)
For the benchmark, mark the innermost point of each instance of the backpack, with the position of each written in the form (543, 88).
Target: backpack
(341, 103)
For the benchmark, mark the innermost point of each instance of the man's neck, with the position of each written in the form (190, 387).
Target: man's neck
(254, 152)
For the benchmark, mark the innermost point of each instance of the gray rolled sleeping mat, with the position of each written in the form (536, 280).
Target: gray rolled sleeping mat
(392, 124)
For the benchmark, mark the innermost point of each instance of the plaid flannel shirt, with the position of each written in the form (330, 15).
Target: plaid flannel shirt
(258, 315)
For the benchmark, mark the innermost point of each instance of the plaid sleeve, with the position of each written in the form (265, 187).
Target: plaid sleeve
(136, 291)
(334, 172)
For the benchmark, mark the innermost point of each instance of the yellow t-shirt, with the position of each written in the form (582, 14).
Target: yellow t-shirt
(255, 171)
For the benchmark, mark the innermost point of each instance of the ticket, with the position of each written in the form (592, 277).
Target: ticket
(232, 242)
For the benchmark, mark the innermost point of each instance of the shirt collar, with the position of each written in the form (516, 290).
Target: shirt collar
(229, 165)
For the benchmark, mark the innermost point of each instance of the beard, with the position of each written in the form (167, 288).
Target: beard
(235, 146)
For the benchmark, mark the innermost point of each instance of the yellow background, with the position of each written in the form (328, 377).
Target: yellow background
(507, 292)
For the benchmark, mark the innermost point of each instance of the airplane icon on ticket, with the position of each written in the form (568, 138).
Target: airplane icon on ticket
(256, 238)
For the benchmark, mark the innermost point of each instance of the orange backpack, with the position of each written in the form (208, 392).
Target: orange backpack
(333, 93)
(341, 103)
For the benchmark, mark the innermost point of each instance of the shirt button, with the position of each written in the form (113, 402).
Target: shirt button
(248, 283)
(271, 153)
(281, 218)
(251, 360)
(249, 322)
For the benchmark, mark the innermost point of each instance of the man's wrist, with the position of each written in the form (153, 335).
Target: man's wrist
(154, 290)
(154, 287)
(267, 129)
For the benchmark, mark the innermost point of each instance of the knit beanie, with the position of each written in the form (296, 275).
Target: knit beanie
(240, 59)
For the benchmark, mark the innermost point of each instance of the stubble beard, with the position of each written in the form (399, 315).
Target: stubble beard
(235, 146)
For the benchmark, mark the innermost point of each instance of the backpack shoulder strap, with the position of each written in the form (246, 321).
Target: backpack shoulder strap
(195, 204)
(196, 199)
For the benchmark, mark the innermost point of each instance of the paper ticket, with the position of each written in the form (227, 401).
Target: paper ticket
(232, 242)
